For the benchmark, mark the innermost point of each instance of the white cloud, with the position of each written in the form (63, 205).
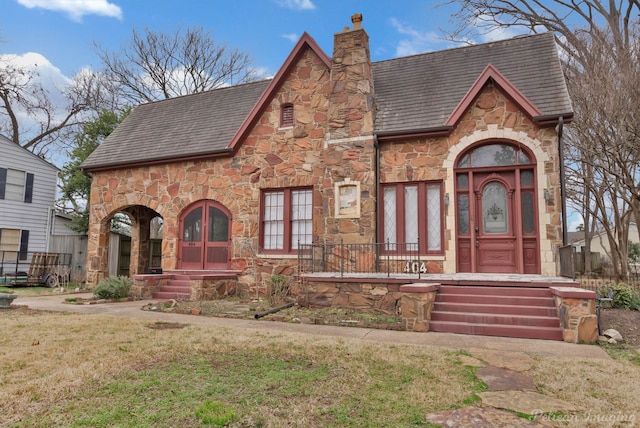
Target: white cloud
(46, 75)
(490, 32)
(292, 37)
(296, 4)
(416, 41)
(76, 9)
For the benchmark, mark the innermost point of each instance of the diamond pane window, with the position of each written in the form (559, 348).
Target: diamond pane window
(434, 216)
(412, 214)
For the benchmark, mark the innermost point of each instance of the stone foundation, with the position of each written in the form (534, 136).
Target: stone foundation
(577, 311)
(365, 296)
(144, 285)
(212, 288)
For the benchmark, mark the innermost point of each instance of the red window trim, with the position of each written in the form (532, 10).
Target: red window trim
(423, 226)
(287, 244)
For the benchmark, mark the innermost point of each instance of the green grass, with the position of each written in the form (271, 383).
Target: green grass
(623, 352)
(251, 388)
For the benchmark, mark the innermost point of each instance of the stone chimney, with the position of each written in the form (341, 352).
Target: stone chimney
(349, 185)
(351, 112)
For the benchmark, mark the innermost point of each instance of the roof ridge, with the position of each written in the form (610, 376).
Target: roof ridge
(477, 45)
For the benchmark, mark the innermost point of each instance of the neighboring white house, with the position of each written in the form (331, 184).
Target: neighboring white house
(27, 196)
(600, 243)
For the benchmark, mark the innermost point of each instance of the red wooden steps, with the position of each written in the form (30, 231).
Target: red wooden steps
(496, 311)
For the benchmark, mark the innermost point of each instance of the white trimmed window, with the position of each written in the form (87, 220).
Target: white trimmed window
(286, 219)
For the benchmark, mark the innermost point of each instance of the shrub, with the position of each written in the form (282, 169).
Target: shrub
(114, 287)
(279, 289)
(625, 296)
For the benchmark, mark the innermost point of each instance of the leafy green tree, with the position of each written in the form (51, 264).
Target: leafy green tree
(75, 185)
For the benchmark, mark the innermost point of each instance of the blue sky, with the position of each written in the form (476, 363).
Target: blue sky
(57, 35)
(63, 31)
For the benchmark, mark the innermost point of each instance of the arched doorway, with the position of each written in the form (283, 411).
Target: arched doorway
(496, 210)
(205, 237)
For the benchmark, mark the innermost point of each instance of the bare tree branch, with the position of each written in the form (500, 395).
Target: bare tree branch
(157, 66)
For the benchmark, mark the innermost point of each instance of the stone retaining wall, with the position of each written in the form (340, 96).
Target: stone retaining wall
(379, 296)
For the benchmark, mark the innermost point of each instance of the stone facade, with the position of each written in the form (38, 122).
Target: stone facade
(332, 141)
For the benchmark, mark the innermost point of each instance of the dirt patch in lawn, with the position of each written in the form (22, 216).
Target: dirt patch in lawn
(625, 321)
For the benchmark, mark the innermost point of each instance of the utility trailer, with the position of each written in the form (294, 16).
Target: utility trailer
(33, 268)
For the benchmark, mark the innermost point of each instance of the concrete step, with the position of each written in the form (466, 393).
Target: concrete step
(495, 299)
(542, 311)
(519, 331)
(495, 291)
(487, 318)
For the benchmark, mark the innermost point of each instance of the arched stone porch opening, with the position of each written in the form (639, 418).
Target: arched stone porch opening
(140, 218)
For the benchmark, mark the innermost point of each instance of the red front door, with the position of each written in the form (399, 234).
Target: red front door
(495, 237)
(496, 213)
(205, 237)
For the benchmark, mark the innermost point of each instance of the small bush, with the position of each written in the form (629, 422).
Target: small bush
(114, 287)
(279, 289)
(625, 296)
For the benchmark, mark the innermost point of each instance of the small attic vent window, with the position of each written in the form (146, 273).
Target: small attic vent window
(286, 115)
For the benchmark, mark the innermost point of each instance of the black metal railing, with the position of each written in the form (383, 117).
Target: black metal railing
(31, 267)
(388, 258)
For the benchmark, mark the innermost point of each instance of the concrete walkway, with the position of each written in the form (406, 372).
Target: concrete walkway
(445, 340)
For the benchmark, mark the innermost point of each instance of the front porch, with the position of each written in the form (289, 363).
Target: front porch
(526, 306)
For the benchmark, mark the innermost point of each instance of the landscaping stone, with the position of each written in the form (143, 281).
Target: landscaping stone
(528, 402)
(474, 417)
(498, 379)
(516, 361)
(613, 334)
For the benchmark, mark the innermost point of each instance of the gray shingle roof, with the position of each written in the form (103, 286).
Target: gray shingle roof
(184, 126)
(420, 92)
(412, 94)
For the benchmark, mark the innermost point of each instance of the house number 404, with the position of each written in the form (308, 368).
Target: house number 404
(415, 267)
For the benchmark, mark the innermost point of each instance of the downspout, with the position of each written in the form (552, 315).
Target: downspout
(563, 201)
(376, 145)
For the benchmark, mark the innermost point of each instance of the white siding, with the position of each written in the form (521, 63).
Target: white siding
(34, 216)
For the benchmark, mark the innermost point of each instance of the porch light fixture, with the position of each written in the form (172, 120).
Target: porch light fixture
(446, 199)
(547, 196)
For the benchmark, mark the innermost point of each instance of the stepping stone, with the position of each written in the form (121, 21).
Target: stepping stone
(528, 402)
(476, 417)
(498, 379)
(516, 361)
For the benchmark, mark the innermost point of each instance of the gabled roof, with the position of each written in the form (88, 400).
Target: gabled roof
(491, 74)
(305, 42)
(181, 127)
(421, 93)
(13, 146)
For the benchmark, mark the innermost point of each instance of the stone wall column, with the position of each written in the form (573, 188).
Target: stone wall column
(577, 310)
(416, 305)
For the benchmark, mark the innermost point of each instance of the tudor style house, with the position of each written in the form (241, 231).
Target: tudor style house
(451, 154)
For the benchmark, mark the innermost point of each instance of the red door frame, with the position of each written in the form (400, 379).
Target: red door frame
(204, 253)
(527, 246)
